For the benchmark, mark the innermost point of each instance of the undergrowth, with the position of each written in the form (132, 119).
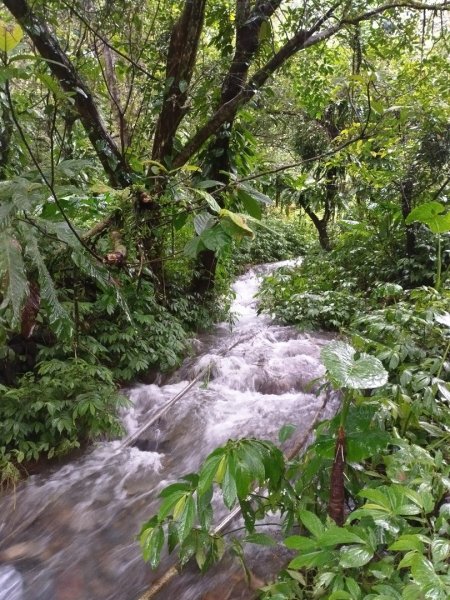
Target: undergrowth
(393, 541)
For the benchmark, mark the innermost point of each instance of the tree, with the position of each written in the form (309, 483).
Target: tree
(180, 130)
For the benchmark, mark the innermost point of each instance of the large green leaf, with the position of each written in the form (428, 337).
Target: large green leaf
(12, 272)
(203, 221)
(431, 214)
(364, 372)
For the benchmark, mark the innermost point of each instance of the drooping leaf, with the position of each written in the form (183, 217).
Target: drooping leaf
(152, 541)
(239, 227)
(251, 206)
(10, 35)
(186, 518)
(364, 372)
(431, 214)
(58, 316)
(12, 275)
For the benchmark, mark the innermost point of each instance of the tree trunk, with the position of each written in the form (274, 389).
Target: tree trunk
(183, 48)
(407, 192)
(248, 27)
(6, 130)
(320, 224)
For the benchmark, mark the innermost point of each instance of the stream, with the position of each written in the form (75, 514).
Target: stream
(70, 533)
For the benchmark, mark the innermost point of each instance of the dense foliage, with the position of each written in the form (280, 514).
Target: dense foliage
(166, 147)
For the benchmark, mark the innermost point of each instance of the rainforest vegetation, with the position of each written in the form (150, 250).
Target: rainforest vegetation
(150, 152)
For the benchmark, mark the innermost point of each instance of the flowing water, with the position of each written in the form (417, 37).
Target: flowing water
(70, 534)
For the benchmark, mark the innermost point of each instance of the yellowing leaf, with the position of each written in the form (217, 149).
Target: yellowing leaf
(240, 226)
(179, 507)
(10, 36)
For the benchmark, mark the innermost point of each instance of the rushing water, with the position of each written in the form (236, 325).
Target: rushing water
(70, 534)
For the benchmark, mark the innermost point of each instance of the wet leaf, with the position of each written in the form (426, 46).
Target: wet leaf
(365, 372)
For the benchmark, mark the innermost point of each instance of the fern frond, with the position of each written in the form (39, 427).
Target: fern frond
(58, 316)
(13, 273)
(101, 275)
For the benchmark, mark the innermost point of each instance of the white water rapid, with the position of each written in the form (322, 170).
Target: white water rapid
(70, 533)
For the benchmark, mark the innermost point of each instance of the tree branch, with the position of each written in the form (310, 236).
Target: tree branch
(301, 40)
(63, 70)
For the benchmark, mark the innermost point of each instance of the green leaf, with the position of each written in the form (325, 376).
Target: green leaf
(317, 558)
(338, 535)
(209, 470)
(193, 247)
(210, 200)
(252, 206)
(229, 489)
(430, 214)
(440, 550)
(299, 542)
(215, 238)
(286, 432)
(312, 523)
(203, 221)
(255, 194)
(365, 372)
(354, 556)
(187, 518)
(208, 183)
(424, 574)
(408, 542)
(260, 538)
(152, 540)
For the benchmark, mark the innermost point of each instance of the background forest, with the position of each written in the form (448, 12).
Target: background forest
(151, 152)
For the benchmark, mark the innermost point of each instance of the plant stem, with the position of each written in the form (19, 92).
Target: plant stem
(444, 358)
(345, 409)
(439, 263)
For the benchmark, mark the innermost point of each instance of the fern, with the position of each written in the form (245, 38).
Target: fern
(58, 316)
(101, 275)
(13, 269)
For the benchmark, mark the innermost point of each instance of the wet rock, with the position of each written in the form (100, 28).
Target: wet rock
(70, 585)
(20, 551)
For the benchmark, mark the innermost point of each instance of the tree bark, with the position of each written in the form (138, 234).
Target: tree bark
(407, 192)
(181, 59)
(6, 130)
(182, 55)
(247, 42)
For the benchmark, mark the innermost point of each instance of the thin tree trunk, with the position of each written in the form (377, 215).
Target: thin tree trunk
(248, 27)
(407, 191)
(6, 130)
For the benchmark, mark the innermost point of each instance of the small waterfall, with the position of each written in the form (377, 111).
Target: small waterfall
(70, 534)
